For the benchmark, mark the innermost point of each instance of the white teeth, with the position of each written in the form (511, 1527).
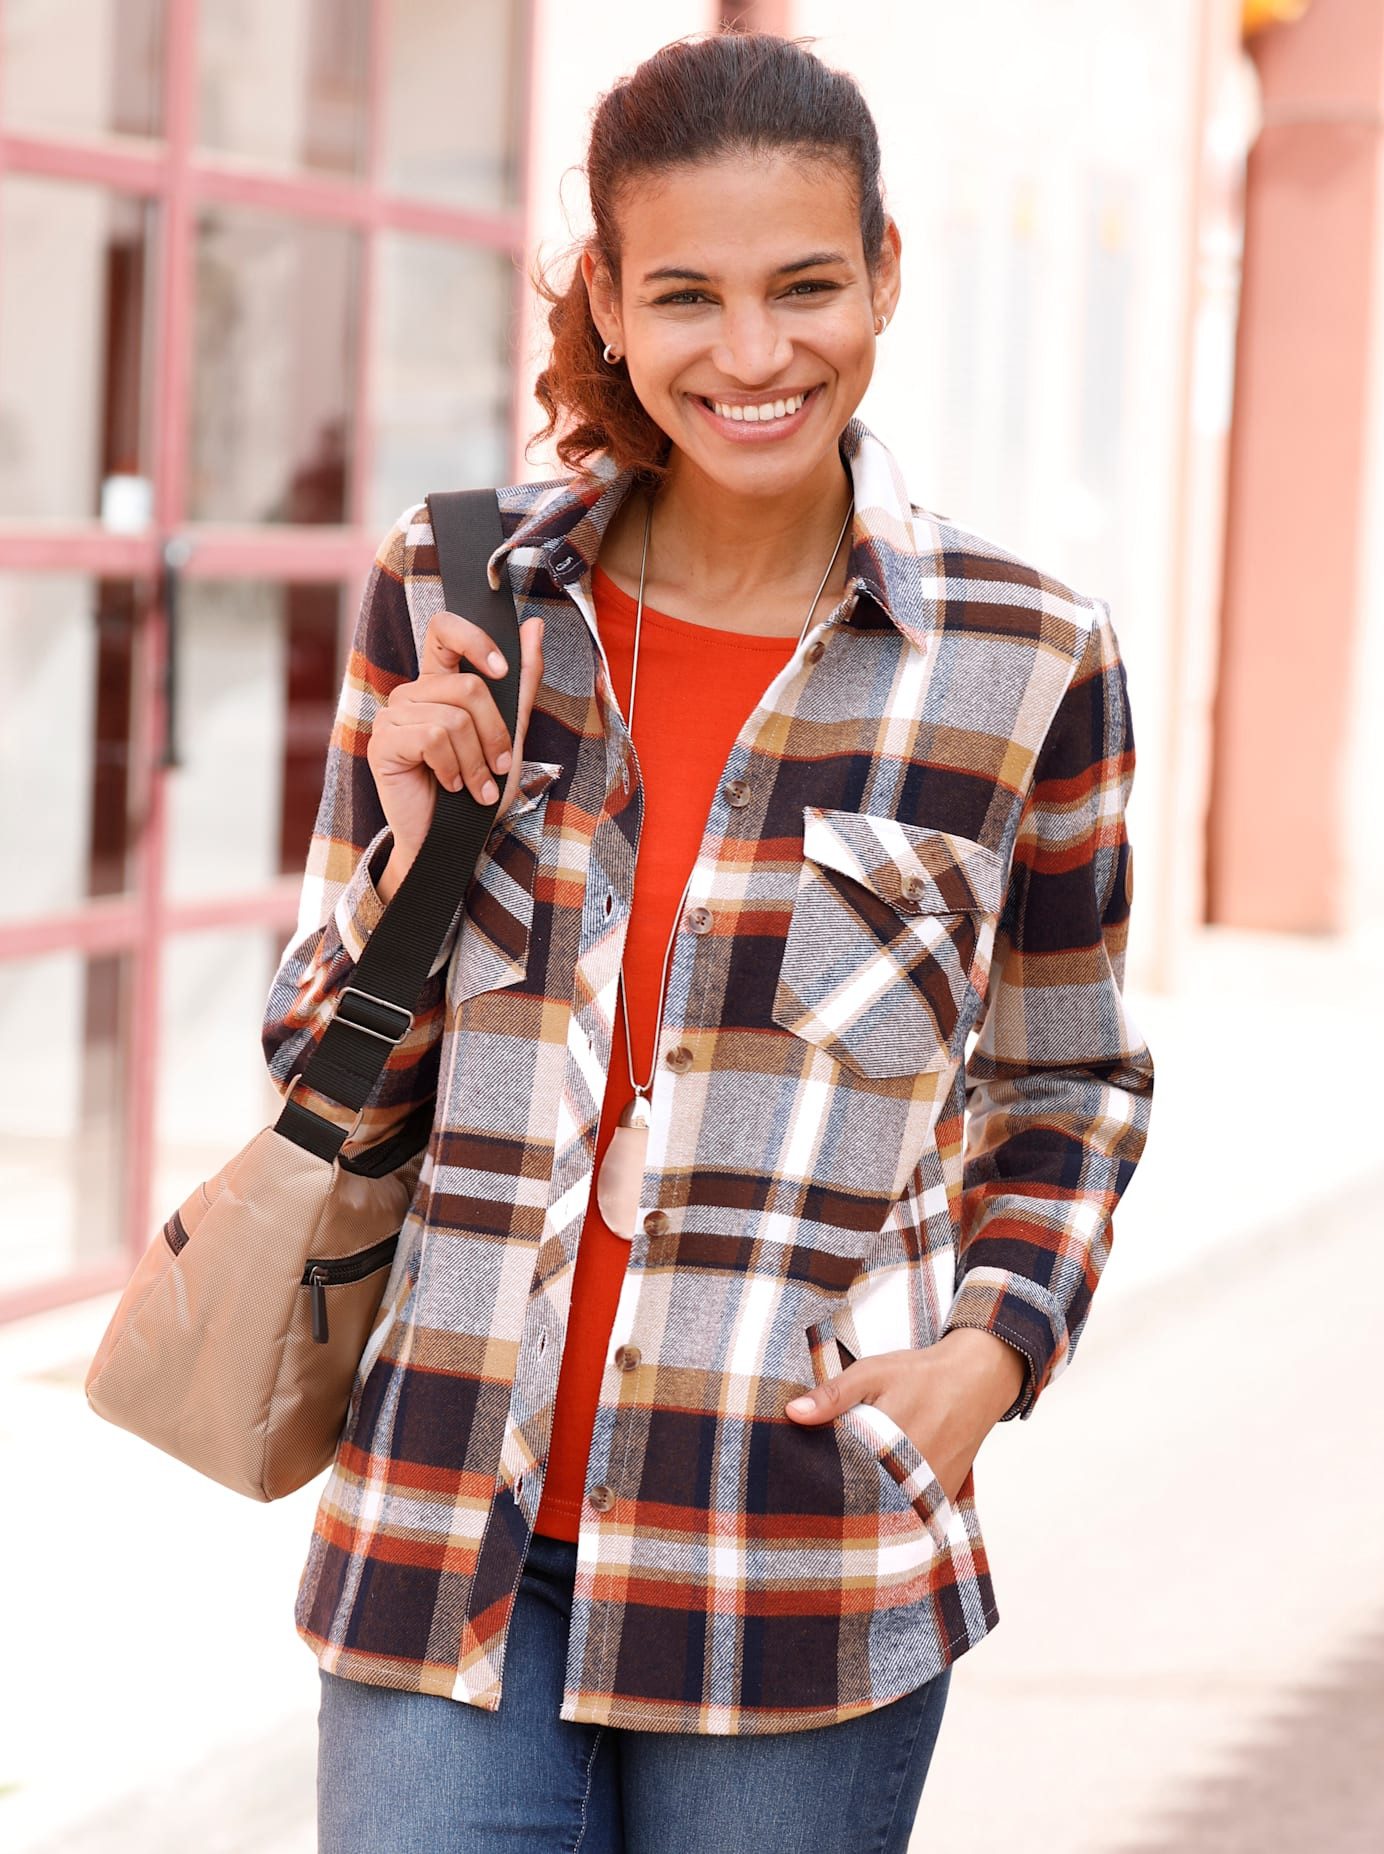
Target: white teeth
(761, 414)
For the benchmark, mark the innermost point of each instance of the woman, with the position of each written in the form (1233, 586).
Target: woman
(652, 1524)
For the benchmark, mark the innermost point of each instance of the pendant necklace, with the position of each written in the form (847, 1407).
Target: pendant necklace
(622, 1169)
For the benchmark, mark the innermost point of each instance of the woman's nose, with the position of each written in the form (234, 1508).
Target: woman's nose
(753, 348)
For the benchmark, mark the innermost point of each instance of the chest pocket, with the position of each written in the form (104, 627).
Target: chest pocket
(885, 934)
(492, 948)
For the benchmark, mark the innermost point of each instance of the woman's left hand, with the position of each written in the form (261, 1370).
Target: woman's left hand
(945, 1397)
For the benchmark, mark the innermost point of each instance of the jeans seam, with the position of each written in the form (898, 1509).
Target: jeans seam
(898, 1787)
(586, 1794)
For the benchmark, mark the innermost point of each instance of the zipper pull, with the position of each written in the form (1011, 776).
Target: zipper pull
(316, 1276)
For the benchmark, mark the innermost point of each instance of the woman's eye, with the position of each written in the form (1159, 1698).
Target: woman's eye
(807, 286)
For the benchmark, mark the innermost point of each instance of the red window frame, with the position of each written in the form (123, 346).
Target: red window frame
(179, 178)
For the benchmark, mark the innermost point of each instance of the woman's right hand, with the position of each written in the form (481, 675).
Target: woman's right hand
(445, 728)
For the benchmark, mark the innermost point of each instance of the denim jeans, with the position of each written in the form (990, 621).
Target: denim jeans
(418, 1773)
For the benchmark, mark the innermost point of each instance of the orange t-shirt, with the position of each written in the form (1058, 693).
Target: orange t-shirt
(697, 686)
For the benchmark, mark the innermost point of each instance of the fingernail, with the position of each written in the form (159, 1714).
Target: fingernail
(495, 661)
(489, 792)
(802, 1405)
(502, 763)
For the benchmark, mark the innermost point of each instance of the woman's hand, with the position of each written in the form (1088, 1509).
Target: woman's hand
(444, 728)
(945, 1397)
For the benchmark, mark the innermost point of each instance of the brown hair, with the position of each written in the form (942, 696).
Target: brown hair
(694, 100)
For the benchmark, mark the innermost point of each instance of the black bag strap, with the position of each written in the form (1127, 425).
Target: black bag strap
(375, 1010)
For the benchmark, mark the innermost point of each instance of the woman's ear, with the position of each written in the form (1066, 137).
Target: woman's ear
(603, 297)
(887, 280)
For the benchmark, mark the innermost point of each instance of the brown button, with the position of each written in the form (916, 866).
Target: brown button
(602, 1497)
(736, 793)
(656, 1223)
(680, 1058)
(698, 920)
(913, 887)
(816, 651)
(627, 1357)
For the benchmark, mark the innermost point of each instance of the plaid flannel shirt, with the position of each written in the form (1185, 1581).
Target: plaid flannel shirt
(919, 836)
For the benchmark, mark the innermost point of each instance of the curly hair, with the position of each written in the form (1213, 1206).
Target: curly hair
(694, 100)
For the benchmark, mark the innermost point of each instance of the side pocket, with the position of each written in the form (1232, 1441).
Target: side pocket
(890, 1447)
(393, 1311)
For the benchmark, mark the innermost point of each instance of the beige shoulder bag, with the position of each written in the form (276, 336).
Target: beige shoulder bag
(236, 1341)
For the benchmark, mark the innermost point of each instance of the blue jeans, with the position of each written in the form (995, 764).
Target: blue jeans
(418, 1773)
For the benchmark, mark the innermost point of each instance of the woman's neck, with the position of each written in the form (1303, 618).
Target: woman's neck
(750, 545)
(751, 564)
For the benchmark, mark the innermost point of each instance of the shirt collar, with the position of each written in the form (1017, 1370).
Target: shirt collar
(894, 552)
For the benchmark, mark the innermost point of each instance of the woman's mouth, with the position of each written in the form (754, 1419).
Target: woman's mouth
(744, 421)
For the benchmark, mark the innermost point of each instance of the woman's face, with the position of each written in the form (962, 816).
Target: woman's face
(746, 314)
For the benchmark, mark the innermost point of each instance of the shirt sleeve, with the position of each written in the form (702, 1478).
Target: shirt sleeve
(339, 904)
(1059, 1086)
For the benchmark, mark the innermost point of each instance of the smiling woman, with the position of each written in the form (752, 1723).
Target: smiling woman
(652, 1528)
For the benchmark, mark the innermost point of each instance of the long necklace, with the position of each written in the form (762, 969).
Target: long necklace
(622, 1169)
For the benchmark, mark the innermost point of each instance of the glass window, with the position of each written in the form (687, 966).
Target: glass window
(82, 67)
(214, 1090)
(441, 371)
(74, 374)
(69, 649)
(274, 369)
(63, 1024)
(452, 103)
(285, 82)
(257, 685)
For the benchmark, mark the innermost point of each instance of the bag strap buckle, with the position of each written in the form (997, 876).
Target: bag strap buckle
(374, 1020)
(312, 1130)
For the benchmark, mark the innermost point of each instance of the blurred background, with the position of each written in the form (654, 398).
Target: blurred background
(263, 283)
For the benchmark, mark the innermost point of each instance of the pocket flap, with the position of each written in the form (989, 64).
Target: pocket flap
(916, 868)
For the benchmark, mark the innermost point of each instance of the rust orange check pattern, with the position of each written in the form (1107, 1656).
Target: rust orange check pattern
(914, 1097)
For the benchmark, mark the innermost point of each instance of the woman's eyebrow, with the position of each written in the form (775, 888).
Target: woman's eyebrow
(674, 273)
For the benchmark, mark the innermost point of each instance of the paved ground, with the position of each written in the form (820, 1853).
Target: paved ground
(1187, 1538)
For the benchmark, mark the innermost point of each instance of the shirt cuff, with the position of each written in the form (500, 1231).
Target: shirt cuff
(1019, 1312)
(359, 906)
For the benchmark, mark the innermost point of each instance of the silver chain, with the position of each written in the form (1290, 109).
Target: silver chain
(634, 680)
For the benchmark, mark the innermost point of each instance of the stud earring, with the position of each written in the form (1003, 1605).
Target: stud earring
(611, 354)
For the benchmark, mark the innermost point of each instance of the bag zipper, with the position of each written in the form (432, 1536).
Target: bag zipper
(319, 1276)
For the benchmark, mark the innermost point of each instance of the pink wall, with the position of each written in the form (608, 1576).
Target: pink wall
(1292, 632)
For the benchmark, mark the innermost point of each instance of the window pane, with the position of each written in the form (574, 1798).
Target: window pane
(66, 799)
(73, 341)
(214, 1091)
(452, 101)
(274, 369)
(64, 1022)
(285, 81)
(441, 371)
(258, 677)
(83, 67)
